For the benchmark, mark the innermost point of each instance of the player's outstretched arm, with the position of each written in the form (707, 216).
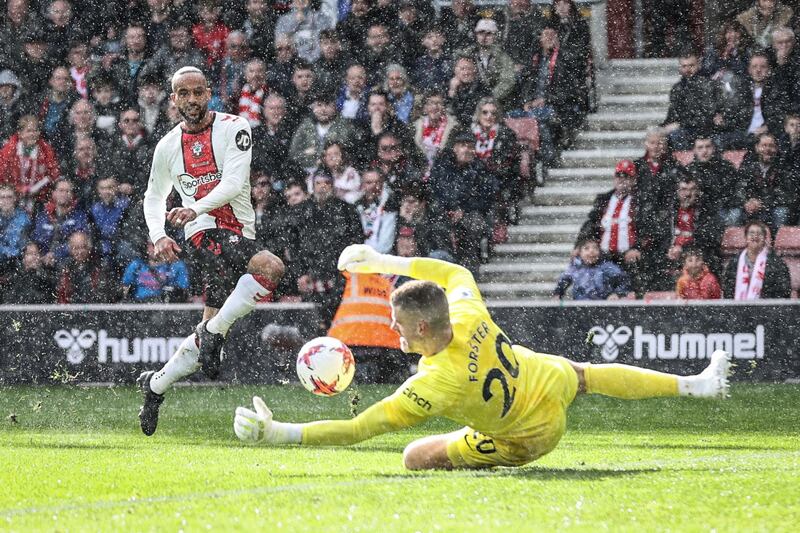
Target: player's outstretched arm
(258, 427)
(360, 258)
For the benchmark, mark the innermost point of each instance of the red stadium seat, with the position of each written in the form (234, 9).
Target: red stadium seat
(733, 241)
(527, 130)
(793, 263)
(787, 241)
(660, 295)
(684, 157)
(735, 157)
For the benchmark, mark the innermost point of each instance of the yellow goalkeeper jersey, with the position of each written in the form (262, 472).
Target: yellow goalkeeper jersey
(478, 380)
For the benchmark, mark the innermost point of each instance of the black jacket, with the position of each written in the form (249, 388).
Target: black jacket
(777, 283)
(774, 187)
(717, 180)
(737, 106)
(692, 103)
(327, 230)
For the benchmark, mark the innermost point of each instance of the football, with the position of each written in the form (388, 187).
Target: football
(325, 366)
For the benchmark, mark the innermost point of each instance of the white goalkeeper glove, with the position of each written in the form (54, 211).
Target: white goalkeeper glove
(362, 259)
(256, 427)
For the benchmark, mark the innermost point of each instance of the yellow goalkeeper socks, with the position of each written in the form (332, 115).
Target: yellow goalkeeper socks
(629, 382)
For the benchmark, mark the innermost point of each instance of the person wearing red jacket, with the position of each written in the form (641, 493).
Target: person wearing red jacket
(210, 33)
(29, 163)
(697, 281)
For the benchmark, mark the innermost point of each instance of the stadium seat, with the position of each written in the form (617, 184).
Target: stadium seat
(793, 263)
(527, 130)
(735, 157)
(787, 241)
(733, 240)
(660, 295)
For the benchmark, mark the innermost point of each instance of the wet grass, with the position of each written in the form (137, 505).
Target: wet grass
(73, 459)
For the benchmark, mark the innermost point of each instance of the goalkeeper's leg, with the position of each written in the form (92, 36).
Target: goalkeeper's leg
(633, 383)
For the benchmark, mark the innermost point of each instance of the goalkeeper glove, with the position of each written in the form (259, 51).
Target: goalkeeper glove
(362, 259)
(256, 427)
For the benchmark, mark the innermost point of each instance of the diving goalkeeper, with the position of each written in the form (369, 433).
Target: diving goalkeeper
(511, 400)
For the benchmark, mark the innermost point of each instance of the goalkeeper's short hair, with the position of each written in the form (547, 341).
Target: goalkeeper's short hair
(425, 299)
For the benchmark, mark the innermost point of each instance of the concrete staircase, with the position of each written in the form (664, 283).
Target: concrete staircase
(633, 95)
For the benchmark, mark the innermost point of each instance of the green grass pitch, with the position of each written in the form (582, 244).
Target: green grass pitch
(73, 459)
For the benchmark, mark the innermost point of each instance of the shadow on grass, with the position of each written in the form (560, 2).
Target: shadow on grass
(532, 472)
(689, 447)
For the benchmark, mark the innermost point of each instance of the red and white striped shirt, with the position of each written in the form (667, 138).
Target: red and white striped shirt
(211, 172)
(619, 231)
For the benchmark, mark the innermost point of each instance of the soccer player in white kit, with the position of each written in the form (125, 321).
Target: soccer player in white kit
(206, 159)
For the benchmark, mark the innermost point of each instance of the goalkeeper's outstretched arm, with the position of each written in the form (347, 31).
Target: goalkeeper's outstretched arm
(259, 427)
(360, 258)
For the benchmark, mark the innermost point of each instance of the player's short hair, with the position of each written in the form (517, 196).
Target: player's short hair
(182, 72)
(425, 299)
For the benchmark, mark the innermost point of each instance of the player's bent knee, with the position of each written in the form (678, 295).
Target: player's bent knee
(266, 264)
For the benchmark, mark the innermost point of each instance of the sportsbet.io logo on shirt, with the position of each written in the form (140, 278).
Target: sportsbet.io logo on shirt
(189, 184)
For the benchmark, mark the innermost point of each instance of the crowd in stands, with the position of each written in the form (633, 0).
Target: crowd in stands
(665, 221)
(375, 121)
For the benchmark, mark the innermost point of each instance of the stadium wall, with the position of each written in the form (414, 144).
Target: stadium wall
(114, 343)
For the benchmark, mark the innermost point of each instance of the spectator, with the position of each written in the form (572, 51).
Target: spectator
(625, 227)
(249, 103)
(465, 89)
(11, 105)
(177, 52)
(396, 162)
(523, 26)
(421, 232)
(61, 29)
(692, 103)
(324, 126)
(272, 138)
(458, 22)
(346, 180)
(381, 119)
(57, 221)
(573, 34)
(465, 190)
(82, 279)
(697, 281)
(495, 67)
(549, 95)
(36, 66)
(729, 55)
(762, 18)
(784, 60)
(106, 215)
(378, 53)
(154, 280)
(329, 225)
(152, 105)
(352, 99)
(353, 28)
(410, 26)
(377, 220)
(399, 92)
(693, 223)
(496, 145)
(231, 70)
(789, 145)
(303, 23)
(79, 67)
(299, 94)
(34, 282)
(82, 122)
(14, 226)
(716, 177)
(210, 33)
(14, 26)
(592, 277)
(157, 23)
(757, 273)
(106, 103)
(655, 185)
(126, 68)
(84, 170)
(259, 27)
(765, 189)
(753, 107)
(432, 68)
(55, 104)
(284, 235)
(279, 76)
(29, 163)
(332, 63)
(432, 130)
(132, 153)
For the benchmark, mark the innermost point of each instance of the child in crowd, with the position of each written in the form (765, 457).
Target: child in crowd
(697, 281)
(592, 277)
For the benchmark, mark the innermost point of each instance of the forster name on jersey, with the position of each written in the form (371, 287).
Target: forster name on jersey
(210, 170)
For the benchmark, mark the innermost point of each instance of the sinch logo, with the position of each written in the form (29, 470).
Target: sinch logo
(75, 342)
(610, 339)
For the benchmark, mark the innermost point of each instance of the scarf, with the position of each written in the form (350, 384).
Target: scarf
(748, 284)
(250, 103)
(484, 141)
(432, 136)
(27, 163)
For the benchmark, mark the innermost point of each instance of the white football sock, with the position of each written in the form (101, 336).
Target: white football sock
(241, 301)
(183, 362)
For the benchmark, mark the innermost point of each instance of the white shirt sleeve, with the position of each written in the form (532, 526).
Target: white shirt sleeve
(155, 197)
(235, 169)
